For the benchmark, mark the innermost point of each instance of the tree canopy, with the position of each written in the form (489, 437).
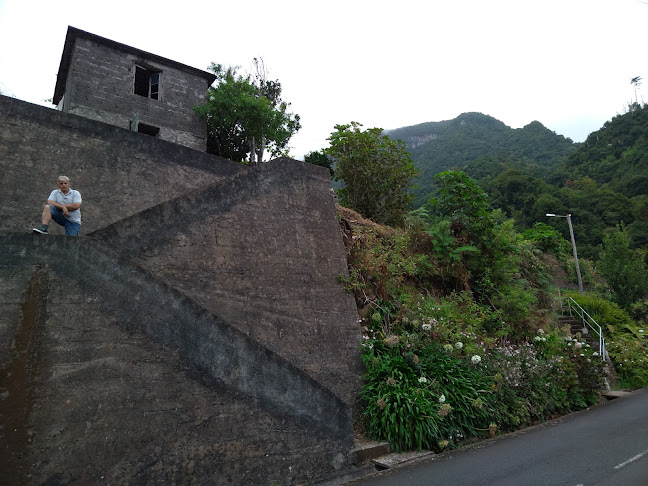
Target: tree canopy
(246, 115)
(319, 158)
(377, 172)
(624, 269)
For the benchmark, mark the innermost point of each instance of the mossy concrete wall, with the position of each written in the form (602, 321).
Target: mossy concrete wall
(196, 332)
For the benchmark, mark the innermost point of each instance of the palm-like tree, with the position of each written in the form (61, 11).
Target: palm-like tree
(637, 82)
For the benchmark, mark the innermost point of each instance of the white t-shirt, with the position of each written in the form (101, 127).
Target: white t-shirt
(71, 197)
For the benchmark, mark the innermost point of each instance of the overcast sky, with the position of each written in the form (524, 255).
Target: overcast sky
(565, 63)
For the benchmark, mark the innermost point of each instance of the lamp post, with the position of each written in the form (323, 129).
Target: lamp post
(573, 241)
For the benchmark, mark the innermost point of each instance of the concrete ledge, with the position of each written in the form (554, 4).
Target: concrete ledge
(612, 394)
(366, 451)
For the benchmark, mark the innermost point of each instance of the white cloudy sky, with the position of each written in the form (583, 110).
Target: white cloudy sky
(565, 63)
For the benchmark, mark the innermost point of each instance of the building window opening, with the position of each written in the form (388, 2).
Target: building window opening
(147, 83)
(148, 129)
(155, 85)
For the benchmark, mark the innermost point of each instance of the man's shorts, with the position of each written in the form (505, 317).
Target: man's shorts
(71, 228)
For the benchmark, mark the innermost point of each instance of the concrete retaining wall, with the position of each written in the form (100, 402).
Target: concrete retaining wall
(197, 333)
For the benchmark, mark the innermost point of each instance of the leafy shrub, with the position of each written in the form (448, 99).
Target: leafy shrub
(537, 381)
(418, 396)
(624, 268)
(547, 239)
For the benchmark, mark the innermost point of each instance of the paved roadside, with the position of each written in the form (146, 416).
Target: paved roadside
(605, 445)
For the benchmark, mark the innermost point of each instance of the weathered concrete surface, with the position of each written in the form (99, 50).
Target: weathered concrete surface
(273, 274)
(97, 77)
(92, 323)
(196, 335)
(118, 172)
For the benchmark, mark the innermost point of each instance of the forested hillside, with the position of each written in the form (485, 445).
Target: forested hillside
(532, 171)
(603, 184)
(616, 156)
(439, 146)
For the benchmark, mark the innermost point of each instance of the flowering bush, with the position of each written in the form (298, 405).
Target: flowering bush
(537, 381)
(419, 393)
(419, 403)
(439, 368)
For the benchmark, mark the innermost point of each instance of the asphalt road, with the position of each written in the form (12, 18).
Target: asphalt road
(604, 446)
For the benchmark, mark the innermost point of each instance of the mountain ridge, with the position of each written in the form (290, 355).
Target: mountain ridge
(453, 144)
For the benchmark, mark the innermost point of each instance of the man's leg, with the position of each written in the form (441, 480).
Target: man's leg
(72, 229)
(46, 219)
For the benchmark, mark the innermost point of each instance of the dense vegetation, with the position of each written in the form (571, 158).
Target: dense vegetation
(461, 337)
(449, 354)
(532, 171)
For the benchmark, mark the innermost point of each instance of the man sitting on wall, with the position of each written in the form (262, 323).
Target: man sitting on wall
(63, 207)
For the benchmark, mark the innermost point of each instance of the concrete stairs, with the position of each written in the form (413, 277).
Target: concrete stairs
(577, 328)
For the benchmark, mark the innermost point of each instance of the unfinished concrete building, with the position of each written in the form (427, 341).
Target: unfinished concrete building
(118, 84)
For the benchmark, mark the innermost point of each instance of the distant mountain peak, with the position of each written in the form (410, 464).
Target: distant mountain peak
(448, 144)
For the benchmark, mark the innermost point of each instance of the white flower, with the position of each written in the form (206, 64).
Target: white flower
(537, 339)
(426, 327)
(578, 345)
(568, 338)
(423, 379)
(447, 348)
(595, 353)
(544, 339)
(442, 399)
(459, 345)
(540, 331)
(640, 330)
(476, 359)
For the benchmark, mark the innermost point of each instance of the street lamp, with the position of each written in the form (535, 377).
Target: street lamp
(571, 233)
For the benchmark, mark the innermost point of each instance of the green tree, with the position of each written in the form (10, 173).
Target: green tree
(246, 116)
(319, 158)
(377, 172)
(624, 269)
(546, 238)
(465, 204)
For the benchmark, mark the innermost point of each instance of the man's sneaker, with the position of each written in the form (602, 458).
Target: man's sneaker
(42, 232)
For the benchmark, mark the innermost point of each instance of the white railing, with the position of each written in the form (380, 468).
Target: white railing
(588, 321)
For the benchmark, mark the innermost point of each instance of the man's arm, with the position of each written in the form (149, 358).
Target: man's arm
(65, 208)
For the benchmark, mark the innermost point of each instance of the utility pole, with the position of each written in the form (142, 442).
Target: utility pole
(573, 241)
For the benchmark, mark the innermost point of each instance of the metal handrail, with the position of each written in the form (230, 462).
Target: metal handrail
(588, 321)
